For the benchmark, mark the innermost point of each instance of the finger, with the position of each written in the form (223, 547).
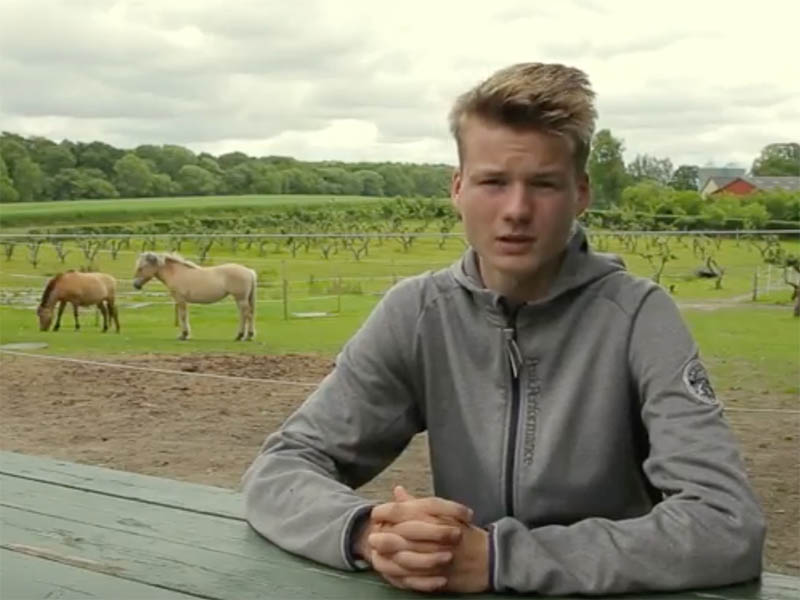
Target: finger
(424, 584)
(422, 561)
(421, 531)
(385, 565)
(401, 495)
(389, 543)
(420, 584)
(395, 581)
(439, 508)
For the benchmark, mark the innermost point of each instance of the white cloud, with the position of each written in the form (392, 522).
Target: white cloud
(374, 80)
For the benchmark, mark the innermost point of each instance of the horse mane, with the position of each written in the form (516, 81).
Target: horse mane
(175, 257)
(164, 257)
(49, 288)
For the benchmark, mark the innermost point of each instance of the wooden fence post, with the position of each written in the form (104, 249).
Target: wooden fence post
(285, 291)
(339, 294)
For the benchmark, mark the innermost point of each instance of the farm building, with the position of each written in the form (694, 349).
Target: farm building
(741, 186)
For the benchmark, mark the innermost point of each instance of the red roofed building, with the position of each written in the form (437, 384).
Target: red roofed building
(741, 186)
(738, 186)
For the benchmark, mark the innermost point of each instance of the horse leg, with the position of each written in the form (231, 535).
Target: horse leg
(113, 313)
(75, 312)
(183, 315)
(251, 314)
(61, 307)
(242, 305)
(102, 308)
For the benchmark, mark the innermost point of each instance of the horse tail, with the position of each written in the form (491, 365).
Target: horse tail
(112, 287)
(251, 298)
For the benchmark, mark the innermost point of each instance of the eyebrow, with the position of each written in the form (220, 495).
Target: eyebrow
(492, 172)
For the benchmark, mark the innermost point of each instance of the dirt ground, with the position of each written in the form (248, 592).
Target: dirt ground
(208, 430)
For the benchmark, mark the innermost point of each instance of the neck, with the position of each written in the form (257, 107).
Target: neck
(164, 273)
(51, 300)
(529, 288)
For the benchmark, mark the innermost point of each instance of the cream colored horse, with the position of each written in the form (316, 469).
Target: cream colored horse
(191, 283)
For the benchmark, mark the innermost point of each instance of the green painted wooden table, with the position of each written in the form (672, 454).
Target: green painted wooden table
(75, 531)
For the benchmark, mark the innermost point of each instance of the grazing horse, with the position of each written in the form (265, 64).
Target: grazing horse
(191, 283)
(79, 289)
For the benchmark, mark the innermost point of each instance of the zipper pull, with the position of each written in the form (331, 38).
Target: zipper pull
(514, 354)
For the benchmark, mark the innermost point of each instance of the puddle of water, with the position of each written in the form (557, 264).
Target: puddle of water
(24, 346)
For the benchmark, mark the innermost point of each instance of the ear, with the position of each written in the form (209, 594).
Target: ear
(584, 194)
(455, 189)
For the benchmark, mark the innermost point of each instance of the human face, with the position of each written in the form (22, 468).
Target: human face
(518, 194)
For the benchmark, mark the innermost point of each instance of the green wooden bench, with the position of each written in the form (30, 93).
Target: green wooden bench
(75, 531)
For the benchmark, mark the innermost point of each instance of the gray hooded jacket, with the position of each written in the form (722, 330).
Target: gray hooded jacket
(582, 430)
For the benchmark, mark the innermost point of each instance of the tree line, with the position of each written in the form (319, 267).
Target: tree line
(651, 185)
(38, 169)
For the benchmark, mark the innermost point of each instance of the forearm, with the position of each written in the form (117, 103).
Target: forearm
(681, 544)
(299, 507)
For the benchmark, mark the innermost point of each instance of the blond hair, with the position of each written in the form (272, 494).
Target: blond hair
(551, 98)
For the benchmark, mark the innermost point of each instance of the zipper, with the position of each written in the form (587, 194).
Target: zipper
(515, 362)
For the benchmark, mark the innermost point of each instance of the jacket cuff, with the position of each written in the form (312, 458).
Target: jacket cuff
(492, 558)
(353, 524)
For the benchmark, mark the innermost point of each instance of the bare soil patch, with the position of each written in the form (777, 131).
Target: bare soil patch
(208, 430)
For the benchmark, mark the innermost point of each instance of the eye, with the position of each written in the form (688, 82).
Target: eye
(493, 181)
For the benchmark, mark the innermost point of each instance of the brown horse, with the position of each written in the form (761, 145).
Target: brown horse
(79, 289)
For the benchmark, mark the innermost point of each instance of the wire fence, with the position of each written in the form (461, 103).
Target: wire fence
(736, 233)
(306, 276)
(308, 385)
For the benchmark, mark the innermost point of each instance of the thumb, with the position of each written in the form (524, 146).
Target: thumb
(401, 495)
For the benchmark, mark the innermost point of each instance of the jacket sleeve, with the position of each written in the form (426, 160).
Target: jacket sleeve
(299, 492)
(707, 530)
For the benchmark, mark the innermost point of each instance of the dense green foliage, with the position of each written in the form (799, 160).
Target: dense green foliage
(39, 169)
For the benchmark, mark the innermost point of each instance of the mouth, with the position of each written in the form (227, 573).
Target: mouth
(515, 242)
(516, 238)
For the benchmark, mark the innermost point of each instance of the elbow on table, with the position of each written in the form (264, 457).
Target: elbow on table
(743, 554)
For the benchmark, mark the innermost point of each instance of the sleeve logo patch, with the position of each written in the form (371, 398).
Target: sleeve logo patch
(697, 382)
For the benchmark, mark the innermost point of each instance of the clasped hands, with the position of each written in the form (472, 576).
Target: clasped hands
(426, 544)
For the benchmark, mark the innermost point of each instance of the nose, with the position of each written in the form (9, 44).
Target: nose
(518, 207)
(137, 284)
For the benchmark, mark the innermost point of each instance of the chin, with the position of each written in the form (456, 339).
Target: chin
(516, 266)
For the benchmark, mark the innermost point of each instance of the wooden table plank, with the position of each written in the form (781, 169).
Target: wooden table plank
(157, 490)
(141, 530)
(247, 572)
(153, 521)
(29, 578)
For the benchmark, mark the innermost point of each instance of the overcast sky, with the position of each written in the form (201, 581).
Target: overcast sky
(697, 81)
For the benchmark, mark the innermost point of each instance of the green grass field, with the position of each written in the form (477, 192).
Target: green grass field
(43, 214)
(739, 336)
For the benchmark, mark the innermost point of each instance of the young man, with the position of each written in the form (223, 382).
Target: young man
(576, 443)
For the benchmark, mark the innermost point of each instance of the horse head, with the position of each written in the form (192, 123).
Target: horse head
(45, 314)
(146, 268)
